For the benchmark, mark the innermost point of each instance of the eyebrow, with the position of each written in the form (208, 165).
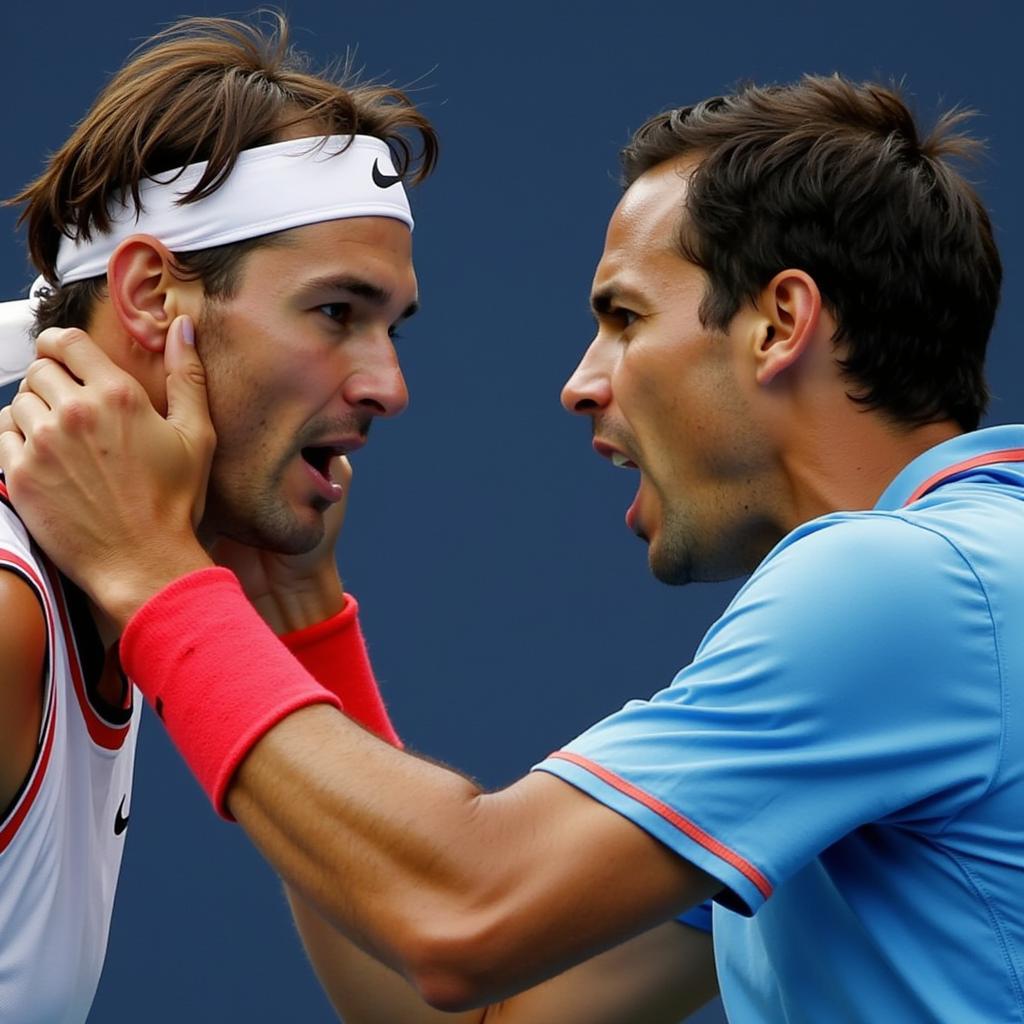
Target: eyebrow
(363, 289)
(602, 301)
(605, 299)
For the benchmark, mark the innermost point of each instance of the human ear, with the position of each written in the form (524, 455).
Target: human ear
(790, 309)
(145, 292)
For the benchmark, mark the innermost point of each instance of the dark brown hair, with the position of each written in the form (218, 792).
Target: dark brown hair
(202, 89)
(832, 177)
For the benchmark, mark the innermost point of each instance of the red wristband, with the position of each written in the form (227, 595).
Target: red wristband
(334, 653)
(215, 674)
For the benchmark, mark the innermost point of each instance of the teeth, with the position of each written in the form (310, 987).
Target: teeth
(620, 460)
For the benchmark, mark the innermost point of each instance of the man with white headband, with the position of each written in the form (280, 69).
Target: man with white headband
(254, 245)
(212, 182)
(792, 310)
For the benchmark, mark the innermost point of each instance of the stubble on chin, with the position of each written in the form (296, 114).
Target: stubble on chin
(260, 519)
(687, 551)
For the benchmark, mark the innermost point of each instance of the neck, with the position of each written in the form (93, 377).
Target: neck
(841, 470)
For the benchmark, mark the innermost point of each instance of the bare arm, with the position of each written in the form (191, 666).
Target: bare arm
(22, 655)
(471, 896)
(660, 977)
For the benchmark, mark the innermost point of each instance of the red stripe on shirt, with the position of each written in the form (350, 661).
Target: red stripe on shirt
(987, 459)
(674, 818)
(13, 821)
(103, 733)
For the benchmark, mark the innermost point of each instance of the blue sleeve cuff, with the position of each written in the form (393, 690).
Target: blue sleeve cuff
(698, 917)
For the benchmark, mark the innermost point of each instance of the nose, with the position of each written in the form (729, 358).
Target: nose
(377, 383)
(589, 389)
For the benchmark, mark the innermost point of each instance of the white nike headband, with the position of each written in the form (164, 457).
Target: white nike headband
(270, 188)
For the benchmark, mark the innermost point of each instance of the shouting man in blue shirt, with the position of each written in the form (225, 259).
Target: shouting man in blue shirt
(792, 311)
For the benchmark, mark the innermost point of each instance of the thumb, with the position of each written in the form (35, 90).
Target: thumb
(187, 406)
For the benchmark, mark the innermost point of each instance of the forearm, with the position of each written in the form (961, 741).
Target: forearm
(469, 896)
(361, 989)
(365, 834)
(660, 977)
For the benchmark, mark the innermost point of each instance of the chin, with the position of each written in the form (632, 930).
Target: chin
(683, 564)
(677, 555)
(281, 529)
(674, 571)
(295, 537)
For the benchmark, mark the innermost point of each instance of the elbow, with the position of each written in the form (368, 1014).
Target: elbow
(458, 967)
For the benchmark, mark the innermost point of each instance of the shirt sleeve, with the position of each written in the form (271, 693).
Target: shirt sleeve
(852, 680)
(698, 917)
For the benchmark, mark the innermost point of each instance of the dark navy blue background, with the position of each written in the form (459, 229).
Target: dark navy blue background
(506, 604)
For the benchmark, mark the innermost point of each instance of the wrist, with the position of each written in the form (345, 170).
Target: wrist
(334, 653)
(120, 591)
(198, 645)
(302, 603)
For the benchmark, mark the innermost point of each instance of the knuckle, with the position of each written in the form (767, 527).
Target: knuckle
(77, 414)
(120, 394)
(44, 439)
(195, 374)
(208, 438)
(32, 372)
(61, 338)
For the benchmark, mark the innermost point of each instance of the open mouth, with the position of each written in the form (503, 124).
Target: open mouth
(618, 458)
(319, 457)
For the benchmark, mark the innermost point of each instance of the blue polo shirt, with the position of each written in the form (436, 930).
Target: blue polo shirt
(846, 755)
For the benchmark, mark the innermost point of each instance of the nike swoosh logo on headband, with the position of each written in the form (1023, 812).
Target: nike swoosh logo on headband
(382, 180)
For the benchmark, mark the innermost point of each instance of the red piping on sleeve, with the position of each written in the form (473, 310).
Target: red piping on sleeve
(674, 818)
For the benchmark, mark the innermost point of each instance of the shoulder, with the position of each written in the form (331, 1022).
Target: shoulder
(860, 592)
(23, 657)
(23, 636)
(868, 562)
(851, 548)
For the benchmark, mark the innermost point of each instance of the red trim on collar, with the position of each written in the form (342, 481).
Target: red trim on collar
(988, 459)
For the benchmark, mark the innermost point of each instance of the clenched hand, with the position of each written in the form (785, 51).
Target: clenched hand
(110, 489)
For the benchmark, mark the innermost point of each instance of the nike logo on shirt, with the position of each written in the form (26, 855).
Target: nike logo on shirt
(121, 819)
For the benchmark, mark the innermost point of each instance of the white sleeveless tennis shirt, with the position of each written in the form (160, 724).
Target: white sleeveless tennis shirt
(61, 840)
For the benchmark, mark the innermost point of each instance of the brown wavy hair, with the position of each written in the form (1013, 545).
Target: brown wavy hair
(201, 89)
(834, 178)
